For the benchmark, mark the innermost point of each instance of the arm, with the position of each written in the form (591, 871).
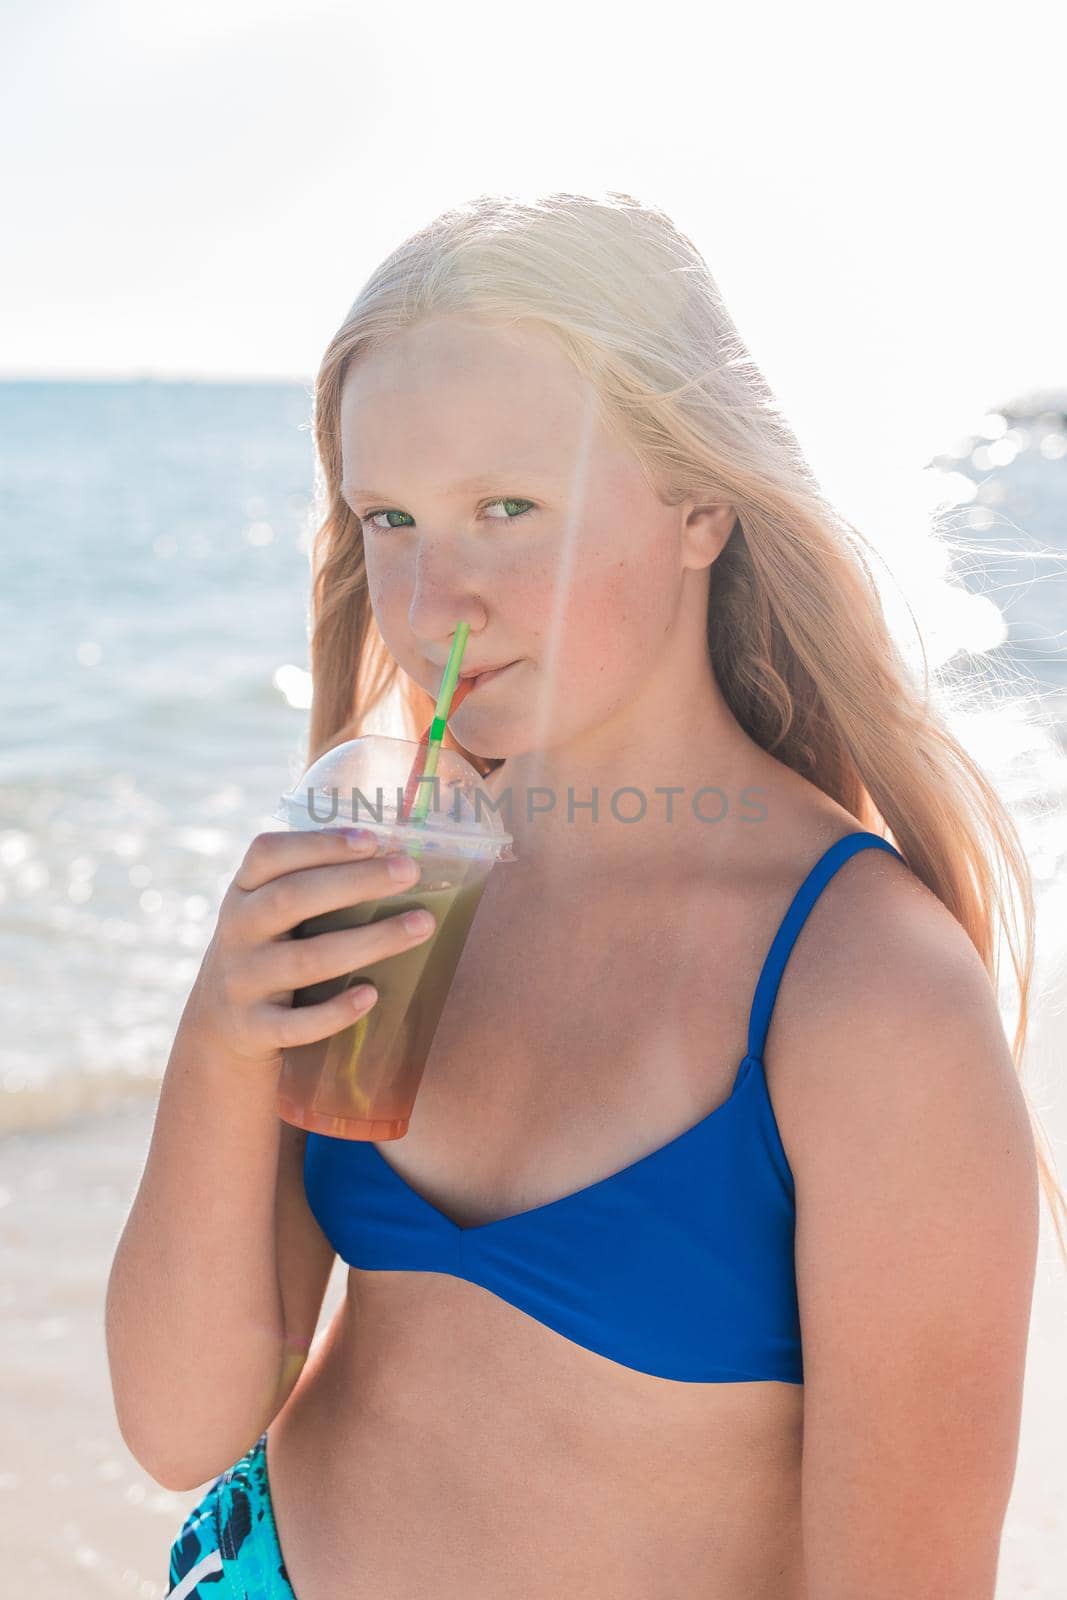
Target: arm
(305, 1261)
(917, 1220)
(219, 1274)
(194, 1315)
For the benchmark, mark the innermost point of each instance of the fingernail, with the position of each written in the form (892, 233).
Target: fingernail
(358, 838)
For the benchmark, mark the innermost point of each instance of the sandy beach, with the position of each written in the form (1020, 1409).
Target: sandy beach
(80, 1518)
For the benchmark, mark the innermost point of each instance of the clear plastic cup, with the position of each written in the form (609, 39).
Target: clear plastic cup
(361, 1083)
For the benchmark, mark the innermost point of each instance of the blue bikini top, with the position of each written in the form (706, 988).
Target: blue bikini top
(680, 1265)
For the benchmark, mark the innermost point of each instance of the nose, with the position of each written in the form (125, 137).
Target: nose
(445, 589)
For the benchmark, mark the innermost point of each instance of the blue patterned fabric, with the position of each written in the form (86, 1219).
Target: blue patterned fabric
(228, 1547)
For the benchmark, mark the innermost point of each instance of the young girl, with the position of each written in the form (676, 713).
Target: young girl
(705, 1266)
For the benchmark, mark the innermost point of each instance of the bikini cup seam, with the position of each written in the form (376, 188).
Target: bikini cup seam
(238, 1475)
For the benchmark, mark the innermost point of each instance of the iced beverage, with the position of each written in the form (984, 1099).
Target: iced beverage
(361, 1083)
(367, 1076)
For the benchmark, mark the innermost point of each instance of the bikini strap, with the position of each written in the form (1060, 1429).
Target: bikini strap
(791, 924)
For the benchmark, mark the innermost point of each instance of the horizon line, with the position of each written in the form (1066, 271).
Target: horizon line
(151, 375)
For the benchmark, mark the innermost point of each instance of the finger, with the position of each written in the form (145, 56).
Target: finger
(282, 905)
(308, 1024)
(299, 963)
(270, 855)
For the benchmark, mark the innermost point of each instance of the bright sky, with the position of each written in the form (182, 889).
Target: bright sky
(201, 188)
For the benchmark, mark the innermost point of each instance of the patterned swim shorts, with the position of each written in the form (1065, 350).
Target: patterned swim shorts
(228, 1547)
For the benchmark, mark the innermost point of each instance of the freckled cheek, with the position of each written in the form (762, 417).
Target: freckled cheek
(389, 587)
(596, 604)
(599, 624)
(379, 605)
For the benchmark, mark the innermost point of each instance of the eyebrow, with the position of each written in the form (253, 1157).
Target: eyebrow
(490, 480)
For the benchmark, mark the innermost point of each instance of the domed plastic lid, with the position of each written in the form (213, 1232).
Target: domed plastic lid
(362, 783)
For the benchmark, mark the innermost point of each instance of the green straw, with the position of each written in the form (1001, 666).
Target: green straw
(440, 722)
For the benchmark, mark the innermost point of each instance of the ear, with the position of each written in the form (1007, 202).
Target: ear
(705, 530)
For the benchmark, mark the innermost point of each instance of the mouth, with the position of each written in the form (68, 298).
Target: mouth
(477, 679)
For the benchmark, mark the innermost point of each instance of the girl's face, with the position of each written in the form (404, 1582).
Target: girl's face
(491, 493)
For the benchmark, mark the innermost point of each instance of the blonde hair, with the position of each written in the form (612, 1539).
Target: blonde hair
(797, 636)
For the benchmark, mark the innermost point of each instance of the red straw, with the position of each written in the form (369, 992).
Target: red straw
(463, 689)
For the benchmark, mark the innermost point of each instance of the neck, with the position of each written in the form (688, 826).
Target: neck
(667, 773)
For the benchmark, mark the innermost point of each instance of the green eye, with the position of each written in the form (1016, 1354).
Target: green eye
(512, 502)
(390, 511)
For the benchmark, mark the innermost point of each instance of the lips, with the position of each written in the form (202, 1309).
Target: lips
(480, 678)
(478, 672)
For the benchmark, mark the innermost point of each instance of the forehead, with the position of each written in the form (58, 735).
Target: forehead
(452, 349)
(461, 392)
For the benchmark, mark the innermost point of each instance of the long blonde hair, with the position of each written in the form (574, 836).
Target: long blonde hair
(796, 632)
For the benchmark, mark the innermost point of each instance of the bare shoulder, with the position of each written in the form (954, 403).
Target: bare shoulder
(887, 1039)
(916, 1234)
(884, 998)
